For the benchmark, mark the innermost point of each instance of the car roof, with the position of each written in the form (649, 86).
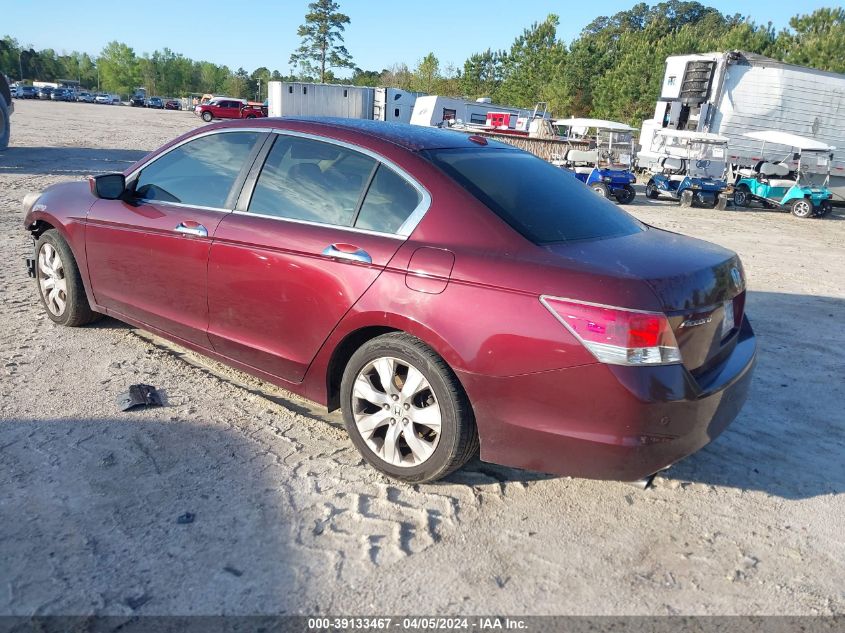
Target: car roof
(411, 137)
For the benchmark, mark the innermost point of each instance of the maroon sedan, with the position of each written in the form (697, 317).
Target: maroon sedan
(443, 290)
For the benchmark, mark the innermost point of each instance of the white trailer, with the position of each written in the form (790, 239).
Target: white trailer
(432, 110)
(734, 93)
(294, 98)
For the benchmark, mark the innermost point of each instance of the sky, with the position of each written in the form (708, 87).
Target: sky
(255, 33)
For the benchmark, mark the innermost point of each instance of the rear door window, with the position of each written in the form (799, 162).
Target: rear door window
(389, 202)
(200, 172)
(304, 179)
(544, 203)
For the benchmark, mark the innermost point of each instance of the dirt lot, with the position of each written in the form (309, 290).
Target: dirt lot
(289, 520)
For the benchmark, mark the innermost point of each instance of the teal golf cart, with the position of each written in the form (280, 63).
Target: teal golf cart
(775, 184)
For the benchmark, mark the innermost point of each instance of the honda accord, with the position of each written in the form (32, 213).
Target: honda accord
(445, 291)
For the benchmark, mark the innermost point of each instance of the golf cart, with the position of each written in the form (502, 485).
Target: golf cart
(606, 166)
(692, 168)
(775, 185)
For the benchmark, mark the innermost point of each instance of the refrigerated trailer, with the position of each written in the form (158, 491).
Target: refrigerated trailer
(294, 98)
(733, 93)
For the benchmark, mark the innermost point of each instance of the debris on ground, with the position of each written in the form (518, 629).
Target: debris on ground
(138, 396)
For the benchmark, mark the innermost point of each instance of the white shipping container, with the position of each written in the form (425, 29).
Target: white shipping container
(311, 99)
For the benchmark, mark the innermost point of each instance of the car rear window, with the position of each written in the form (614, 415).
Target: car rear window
(544, 203)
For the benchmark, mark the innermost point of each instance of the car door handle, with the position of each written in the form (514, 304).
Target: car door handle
(348, 251)
(192, 228)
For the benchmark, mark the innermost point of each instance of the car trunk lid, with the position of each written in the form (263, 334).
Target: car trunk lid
(700, 286)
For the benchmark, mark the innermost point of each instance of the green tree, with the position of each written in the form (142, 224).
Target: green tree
(482, 74)
(426, 75)
(118, 68)
(818, 40)
(322, 40)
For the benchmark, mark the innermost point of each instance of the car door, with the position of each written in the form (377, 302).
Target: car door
(148, 253)
(312, 231)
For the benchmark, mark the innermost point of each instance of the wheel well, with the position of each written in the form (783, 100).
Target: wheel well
(341, 355)
(39, 227)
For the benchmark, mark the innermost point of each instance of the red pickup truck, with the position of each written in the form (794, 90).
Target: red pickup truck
(227, 108)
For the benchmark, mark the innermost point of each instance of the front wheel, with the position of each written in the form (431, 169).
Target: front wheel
(651, 191)
(405, 410)
(206, 116)
(801, 208)
(686, 199)
(626, 195)
(59, 282)
(600, 188)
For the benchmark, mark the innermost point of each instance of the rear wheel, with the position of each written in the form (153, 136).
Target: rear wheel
(600, 188)
(206, 116)
(824, 208)
(651, 191)
(742, 196)
(626, 195)
(405, 410)
(801, 208)
(686, 199)
(59, 283)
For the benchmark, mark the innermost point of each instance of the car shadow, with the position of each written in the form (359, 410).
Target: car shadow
(66, 161)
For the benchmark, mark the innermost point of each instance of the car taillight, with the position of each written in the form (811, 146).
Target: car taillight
(618, 336)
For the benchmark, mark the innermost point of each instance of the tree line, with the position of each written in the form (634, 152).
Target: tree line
(613, 69)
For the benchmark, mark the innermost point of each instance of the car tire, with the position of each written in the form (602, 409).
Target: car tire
(601, 189)
(59, 282)
(5, 124)
(686, 199)
(742, 196)
(381, 420)
(825, 208)
(206, 116)
(651, 191)
(801, 208)
(627, 195)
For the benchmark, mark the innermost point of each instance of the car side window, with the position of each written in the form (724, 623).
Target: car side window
(303, 179)
(389, 202)
(201, 172)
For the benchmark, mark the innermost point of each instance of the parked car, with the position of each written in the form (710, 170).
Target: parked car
(60, 94)
(172, 104)
(85, 97)
(102, 98)
(227, 108)
(137, 101)
(441, 289)
(115, 100)
(26, 92)
(45, 93)
(156, 103)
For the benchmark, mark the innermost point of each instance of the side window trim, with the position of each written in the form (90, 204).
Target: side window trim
(404, 230)
(364, 192)
(246, 170)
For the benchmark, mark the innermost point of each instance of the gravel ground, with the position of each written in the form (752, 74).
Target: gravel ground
(287, 519)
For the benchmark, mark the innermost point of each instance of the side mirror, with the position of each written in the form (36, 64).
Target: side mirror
(108, 186)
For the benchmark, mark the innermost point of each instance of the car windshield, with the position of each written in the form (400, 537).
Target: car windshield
(544, 203)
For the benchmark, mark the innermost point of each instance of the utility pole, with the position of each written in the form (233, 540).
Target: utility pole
(259, 89)
(20, 64)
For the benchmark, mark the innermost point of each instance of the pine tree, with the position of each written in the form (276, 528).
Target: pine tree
(322, 40)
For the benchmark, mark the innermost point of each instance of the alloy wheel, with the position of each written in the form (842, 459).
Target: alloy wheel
(51, 279)
(396, 412)
(802, 208)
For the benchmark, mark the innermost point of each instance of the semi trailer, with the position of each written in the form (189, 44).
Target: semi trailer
(733, 93)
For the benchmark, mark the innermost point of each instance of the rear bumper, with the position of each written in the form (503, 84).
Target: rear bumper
(608, 422)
